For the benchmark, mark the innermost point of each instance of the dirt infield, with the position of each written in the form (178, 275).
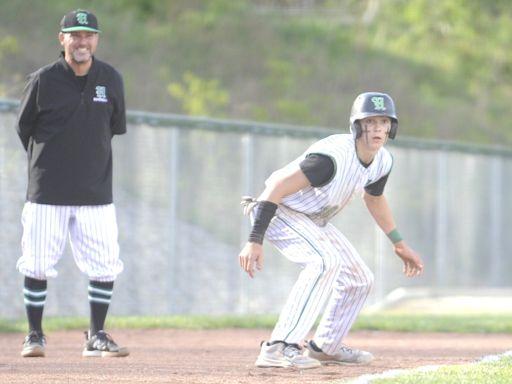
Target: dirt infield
(226, 356)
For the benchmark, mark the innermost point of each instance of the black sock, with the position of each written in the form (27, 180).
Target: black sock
(100, 294)
(34, 294)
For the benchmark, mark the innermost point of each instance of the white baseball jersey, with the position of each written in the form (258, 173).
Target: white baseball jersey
(321, 204)
(334, 276)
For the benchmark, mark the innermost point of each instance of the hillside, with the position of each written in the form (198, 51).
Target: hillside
(447, 64)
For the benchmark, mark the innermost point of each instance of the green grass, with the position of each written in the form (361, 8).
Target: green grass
(457, 323)
(147, 322)
(497, 372)
(383, 321)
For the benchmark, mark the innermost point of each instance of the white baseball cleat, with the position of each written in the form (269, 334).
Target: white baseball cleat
(284, 355)
(345, 356)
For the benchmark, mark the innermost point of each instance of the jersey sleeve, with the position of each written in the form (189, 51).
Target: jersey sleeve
(377, 188)
(318, 168)
(118, 119)
(27, 113)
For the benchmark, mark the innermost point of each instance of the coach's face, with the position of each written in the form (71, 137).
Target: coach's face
(79, 47)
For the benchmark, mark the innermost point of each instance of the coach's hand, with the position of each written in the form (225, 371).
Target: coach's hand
(413, 266)
(251, 258)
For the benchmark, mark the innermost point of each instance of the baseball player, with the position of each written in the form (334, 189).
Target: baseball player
(294, 213)
(69, 112)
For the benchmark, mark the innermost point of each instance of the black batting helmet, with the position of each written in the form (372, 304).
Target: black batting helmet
(372, 104)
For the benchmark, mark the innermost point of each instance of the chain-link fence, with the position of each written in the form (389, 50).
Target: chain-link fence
(177, 187)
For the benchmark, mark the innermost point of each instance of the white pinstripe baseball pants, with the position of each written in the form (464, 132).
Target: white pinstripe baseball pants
(334, 277)
(92, 231)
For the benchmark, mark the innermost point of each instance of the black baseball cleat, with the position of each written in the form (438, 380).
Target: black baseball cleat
(33, 345)
(102, 345)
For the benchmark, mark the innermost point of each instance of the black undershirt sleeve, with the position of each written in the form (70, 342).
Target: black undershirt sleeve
(377, 188)
(319, 169)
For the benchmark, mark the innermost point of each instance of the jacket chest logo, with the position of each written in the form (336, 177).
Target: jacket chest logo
(101, 94)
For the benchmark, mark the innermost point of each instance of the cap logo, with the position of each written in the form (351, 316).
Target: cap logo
(81, 18)
(378, 103)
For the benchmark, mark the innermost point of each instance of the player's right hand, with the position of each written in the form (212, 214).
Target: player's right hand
(251, 258)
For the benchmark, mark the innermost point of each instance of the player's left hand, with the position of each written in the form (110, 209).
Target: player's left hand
(413, 266)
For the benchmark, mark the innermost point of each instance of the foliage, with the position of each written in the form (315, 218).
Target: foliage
(8, 46)
(468, 45)
(447, 64)
(199, 97)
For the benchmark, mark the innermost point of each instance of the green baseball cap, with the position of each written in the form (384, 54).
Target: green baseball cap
(79, 20)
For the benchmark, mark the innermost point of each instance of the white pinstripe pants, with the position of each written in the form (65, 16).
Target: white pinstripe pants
(334, 277)
(92, 231)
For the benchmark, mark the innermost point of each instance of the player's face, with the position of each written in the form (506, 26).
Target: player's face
(80, 46)
(375, 131)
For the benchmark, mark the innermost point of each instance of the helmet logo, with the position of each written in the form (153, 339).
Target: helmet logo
(378, 103)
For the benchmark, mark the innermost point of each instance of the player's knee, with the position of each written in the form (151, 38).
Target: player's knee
(331, 264)
(363, 280)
